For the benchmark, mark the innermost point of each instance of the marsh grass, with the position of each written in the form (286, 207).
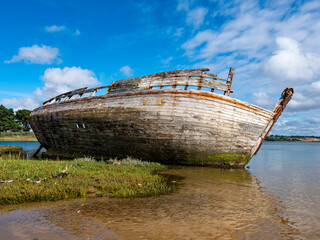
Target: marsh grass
(133, 162)
(41, 180)
(11, 152)
(10, 149)
(85, 159)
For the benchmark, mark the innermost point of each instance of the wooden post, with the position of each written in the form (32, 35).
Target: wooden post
(229, 81)
(109, 89)
(93, 93)
(200, 82)
(79, 96)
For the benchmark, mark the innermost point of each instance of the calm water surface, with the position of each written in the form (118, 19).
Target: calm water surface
(25, 145)
(277, 198)
(29, 148)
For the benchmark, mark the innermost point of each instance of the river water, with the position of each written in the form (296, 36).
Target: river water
(276, 198)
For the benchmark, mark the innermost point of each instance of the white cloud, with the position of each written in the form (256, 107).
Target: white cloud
(246, 36)
(166, 62)
(22, 103)
(290, 64)
(272, 45)
(248, 41)
(196, 16)
(203, 37)
(127, 71)
(311, 6)
(308, 126)
(262, 99)
(36, 54)
(183, 5)
(314, 88)
(301, 102)
(55, 28)
(179, 32)
(57, 81)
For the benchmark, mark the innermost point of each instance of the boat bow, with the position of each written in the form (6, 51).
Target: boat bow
(278, 109)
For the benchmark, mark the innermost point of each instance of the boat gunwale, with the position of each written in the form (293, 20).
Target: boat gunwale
(199, 74)
(190, 93)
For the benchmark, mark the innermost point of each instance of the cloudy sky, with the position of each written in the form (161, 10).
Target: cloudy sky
(52, 46)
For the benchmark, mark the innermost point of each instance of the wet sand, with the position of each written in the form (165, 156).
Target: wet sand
(207, 204)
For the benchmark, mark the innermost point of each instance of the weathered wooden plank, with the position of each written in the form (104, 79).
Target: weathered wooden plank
(70, 94)
(229, 81)
(150, 81)
(183, 81)
(158, 120)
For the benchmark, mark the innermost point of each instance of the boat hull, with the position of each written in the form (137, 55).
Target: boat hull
(172, 126)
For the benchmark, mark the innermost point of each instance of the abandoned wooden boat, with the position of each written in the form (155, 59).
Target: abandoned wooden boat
(176, 117)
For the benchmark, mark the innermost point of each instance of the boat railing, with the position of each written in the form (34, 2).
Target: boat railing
(185, 79)
(79, 92)
(196, 78)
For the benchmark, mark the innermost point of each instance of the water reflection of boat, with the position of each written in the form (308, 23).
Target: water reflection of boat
(208, 204)
(176, 117)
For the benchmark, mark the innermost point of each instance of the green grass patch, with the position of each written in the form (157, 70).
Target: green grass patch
(11, 152)
(10, 149)
(43, 180)
(17, 136)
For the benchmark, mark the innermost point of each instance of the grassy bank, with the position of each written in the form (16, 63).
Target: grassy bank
(17, 136)
(41, 180)
(10, 149)
(11, 152)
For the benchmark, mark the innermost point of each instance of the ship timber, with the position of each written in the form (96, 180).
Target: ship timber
(176, 117)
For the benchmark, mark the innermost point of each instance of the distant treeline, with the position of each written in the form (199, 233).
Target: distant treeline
(292, 138)
(11, 121)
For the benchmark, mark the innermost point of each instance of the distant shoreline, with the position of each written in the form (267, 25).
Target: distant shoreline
(18, 136)
(17, 140)
(279, 138)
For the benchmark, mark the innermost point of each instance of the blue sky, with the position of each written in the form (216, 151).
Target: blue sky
(50, 46)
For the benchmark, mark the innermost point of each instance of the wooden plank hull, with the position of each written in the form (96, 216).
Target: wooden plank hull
(172, 126)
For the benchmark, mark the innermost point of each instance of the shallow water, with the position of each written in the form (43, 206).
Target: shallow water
(277, 198)
(24, 145)
(29, 149)
(290, 172)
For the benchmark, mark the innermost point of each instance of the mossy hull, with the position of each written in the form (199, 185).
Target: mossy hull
(233, 160)
(227, 160)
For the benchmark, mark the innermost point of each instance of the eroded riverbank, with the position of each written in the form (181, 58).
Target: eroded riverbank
(43, 180)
